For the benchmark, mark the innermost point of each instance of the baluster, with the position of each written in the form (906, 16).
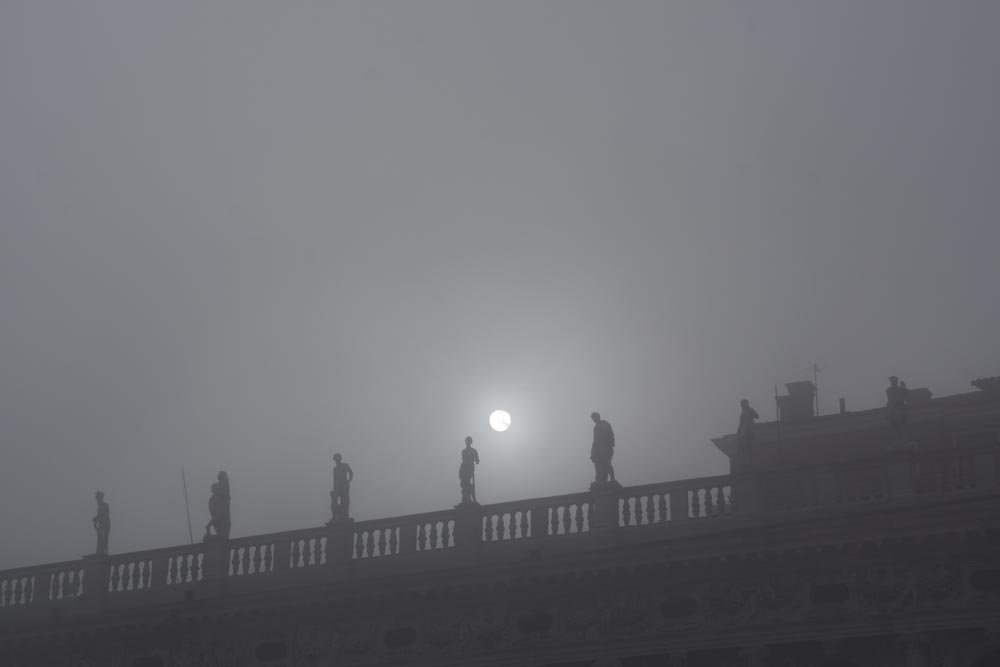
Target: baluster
(15, 590)
(393, 542)
(448, 533)
(29, 589)
(491, 522)
(184, 568)
(144, 572)
(369, 550)
(656, 514)
(629, 514)
(420, 537)
(268, 557)
(53, 583)
(293, 554)
(518, 530)
(728, 498)
(696, 503)
(715, 492)
(314, 554)
(552, 520)
(434, 535)
(502, 526)
(643, 502)
(171, 569)
(245, 560)
(116, 578)
(356, 549)
(563, 511)
(133, 575)
(234, 561)
(382, 538)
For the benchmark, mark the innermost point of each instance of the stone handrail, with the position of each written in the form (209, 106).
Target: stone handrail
(513, 530)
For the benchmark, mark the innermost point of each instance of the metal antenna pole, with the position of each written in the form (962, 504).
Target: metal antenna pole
(777, 417)
(187, 506)
(816, 368)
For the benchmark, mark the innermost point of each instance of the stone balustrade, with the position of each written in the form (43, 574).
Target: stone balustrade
(505, 531)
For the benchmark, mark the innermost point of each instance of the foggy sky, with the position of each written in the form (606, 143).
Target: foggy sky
(245, 236)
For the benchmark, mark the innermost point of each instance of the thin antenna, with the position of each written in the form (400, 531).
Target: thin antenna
(777, 418)
(187, 506)
(816, 368)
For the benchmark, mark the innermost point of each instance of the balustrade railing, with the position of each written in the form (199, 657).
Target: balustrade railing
(570, 517)
(66, 582)
(508, 521)
(378, 539)
(436, 532)
(133, 573)
(307, 550)
(251, 556)
(17, 590)
(700, 504)
(644, 506)
(187, 566)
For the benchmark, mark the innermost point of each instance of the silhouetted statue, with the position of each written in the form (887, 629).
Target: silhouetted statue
(895, 406)
(602, 450)
(340, 497)
(745, 433)
(218, 509)
(102, 524)
(467, 472)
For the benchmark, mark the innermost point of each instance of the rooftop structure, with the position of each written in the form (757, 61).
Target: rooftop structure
(844, 546)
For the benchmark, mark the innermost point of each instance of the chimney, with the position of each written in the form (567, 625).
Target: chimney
(798, 403)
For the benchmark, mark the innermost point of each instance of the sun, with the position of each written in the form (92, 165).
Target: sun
(500, 420)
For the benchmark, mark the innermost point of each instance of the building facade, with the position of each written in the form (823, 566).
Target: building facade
(841, 546)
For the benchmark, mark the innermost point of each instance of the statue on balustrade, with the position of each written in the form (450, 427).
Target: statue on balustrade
(102, 524)
(467, 473)
(896, 407)
(602, 450)
(745, 433)
(340, 497)
(218, 510)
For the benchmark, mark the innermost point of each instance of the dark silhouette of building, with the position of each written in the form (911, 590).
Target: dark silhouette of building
(843, 546)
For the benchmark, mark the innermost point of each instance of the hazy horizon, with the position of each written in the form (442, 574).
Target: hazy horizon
(244, 236)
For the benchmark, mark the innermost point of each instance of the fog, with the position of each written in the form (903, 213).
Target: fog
(245, 236)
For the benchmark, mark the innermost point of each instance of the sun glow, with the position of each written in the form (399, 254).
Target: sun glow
(500, 420)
